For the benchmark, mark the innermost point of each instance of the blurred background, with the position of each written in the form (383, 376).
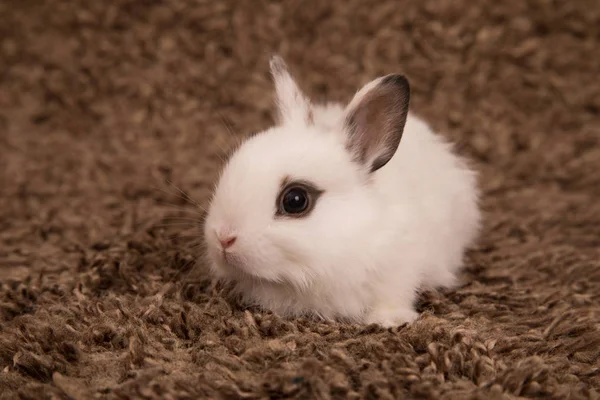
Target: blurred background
(103, 103)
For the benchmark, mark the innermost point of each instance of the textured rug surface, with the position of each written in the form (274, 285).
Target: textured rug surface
(102, 103)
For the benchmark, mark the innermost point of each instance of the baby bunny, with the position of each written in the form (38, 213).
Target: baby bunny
(342, 212)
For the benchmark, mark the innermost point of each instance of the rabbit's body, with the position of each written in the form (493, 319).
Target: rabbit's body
(382, 224)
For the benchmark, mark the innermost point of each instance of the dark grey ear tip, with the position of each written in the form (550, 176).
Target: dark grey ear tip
(398, 80)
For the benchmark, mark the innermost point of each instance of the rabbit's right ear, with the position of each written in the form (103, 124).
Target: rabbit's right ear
(375, 119)
(292, 105)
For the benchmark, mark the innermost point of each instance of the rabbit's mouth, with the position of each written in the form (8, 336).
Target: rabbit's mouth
(230, 259)
(236, 270)
(241, 269)
(233, 263)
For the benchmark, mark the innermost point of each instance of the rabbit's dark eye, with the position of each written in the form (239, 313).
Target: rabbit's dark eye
(296, 199)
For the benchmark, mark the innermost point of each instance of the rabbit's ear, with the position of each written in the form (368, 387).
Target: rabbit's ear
(375, 120)
(292, 105)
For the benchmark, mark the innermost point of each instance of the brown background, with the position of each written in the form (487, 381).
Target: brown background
(101, 101)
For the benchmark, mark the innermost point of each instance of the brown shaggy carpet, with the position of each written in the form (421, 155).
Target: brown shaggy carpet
(103, 102)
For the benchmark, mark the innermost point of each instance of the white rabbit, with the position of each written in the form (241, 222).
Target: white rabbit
(342, 212)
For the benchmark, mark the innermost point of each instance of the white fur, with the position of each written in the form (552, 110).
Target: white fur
(372, 240)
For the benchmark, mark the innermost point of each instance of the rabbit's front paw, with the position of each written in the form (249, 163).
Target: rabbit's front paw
(392, 316)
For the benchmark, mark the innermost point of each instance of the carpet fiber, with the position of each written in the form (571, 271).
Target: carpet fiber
(102, 103)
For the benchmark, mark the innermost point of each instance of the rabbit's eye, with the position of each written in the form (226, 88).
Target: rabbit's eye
(296, 199)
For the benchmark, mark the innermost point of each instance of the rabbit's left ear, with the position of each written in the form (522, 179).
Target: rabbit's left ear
(292, 105)
(375, 120)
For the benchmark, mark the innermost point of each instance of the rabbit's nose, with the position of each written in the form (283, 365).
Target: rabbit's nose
(227, 241)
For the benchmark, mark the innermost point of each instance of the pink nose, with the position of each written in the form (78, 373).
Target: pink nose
(227, 241)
